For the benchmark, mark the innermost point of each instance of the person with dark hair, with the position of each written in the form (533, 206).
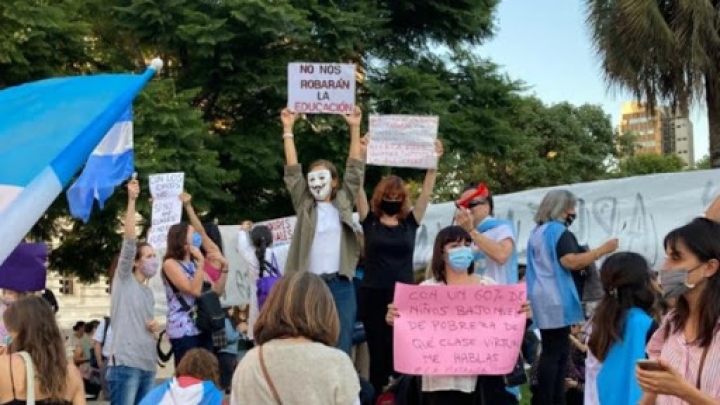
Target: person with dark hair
(49, 296)
(294, 362)
(324, 240)
(452, 264)
(36, 348)
(132, 362)
(389, 223)
(686, 347)
(208, 234)
(262, 258)
(620, 328)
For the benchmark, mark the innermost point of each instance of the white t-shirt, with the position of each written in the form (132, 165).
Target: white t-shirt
(325, 251)
(100, 334)
(492, 269)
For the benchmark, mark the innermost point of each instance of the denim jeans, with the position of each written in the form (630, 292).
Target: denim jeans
(128, 385)
(343, 293)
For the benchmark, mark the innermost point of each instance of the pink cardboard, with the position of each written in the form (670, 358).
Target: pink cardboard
(458, 330)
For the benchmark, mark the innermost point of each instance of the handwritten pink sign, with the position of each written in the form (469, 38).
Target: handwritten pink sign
(458, 330)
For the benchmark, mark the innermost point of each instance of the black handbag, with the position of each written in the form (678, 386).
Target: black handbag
(207, 313)
(517, 376)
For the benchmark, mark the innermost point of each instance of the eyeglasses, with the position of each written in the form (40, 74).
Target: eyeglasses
(475, 203)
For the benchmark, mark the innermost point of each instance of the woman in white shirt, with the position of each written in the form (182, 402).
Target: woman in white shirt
(452, 264)
(256, 243)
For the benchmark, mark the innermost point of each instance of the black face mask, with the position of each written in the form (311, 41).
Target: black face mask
(390, 207)
(570, 219)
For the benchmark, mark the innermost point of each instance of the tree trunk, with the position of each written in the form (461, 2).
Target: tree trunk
(712, 99)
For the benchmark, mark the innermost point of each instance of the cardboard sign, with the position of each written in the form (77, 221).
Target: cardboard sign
(166, 206)
(403, 141)
(282, 229)
(458, 330)
(321, 88)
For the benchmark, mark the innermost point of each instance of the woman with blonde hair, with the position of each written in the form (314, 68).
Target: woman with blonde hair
(294, 361)
(36, 369)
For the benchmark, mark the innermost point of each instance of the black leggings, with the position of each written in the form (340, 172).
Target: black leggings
(379, 335)
(551, 367)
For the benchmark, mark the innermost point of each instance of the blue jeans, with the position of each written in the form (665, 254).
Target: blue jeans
(343, 293)
(128, 385)
(186, 343)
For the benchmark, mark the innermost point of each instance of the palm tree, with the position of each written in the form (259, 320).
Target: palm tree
(663, 51)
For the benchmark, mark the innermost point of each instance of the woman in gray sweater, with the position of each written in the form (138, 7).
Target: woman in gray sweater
(294, 361)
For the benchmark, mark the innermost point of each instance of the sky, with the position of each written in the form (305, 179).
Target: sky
(546, 45)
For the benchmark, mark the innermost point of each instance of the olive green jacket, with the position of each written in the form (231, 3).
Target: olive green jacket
(306, 210)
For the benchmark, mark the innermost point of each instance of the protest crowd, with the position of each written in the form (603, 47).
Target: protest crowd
(573, 324)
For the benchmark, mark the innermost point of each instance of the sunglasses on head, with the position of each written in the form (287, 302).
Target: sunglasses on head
(475, 203)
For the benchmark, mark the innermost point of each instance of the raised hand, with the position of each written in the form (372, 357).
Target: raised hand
(133, 187)
(288, 119)
(185, 198)
(438, 148)
(354, 119)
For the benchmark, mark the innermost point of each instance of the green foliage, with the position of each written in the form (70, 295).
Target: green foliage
(703, 163)
(213, 113)
(647, 163)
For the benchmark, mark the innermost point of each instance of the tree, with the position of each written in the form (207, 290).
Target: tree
(703, 163)
(553, 145)
(662, 51)
(650, 163)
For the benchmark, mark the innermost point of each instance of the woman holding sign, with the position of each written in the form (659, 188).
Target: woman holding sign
(453, 265)
(389, 227)
(324, 240)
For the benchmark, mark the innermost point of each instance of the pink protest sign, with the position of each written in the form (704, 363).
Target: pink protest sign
(458, 330)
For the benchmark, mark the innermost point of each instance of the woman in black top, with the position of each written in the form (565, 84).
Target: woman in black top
(389, 227)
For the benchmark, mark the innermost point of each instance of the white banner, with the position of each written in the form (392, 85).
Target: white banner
(403, 141)
(321, 88)
(166, 206)
(638, 210)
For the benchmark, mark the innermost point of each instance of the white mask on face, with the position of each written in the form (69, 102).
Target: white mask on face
(319, 182)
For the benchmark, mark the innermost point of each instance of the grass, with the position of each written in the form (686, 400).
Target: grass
(525, 390)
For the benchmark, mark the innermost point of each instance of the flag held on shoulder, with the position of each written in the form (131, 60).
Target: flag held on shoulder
(48, 129)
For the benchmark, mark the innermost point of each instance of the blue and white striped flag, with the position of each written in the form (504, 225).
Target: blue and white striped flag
(48, 129)
(111, 163)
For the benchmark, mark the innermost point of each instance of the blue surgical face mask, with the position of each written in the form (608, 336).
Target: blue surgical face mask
(8, 340)
(460, 258)
(197, 240)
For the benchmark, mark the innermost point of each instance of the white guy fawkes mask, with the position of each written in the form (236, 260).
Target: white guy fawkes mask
(320, 183)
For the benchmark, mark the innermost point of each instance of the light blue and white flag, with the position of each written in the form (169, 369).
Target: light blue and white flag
(48, 129)
(111, 163)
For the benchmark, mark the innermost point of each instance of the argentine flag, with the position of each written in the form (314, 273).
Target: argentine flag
(48, 129)
(110, 164)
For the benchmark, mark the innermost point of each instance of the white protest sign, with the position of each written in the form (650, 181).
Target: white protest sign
(166, 207)
(321, 88)
(403, 141)
(282, 229)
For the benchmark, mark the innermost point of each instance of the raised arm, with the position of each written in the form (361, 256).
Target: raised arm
(713, 211)
(207, 243)
(294, 179)
(126, 259)
(245, 247)
(355, 166)
(428, 186)
(353, 120)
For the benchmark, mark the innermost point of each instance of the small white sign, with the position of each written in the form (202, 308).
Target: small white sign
(166, 206)
(403, 141)
(321, 88)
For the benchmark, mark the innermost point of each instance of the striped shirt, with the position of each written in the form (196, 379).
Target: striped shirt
(685, 358)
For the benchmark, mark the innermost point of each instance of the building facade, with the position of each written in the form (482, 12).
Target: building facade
(662, 132)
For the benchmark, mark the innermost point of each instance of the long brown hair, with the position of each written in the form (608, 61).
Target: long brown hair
(299, 305)
(388, 186)
(177, 242)
(627, 280)
(702, 238)
(33, 320)
(201, 364)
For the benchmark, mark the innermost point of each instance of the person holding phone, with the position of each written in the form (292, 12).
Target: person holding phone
(685, 350)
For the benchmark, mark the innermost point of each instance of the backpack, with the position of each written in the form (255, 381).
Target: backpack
(265, 284)
(207, 313)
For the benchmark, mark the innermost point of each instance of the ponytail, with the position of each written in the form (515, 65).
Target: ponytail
(260, 250)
